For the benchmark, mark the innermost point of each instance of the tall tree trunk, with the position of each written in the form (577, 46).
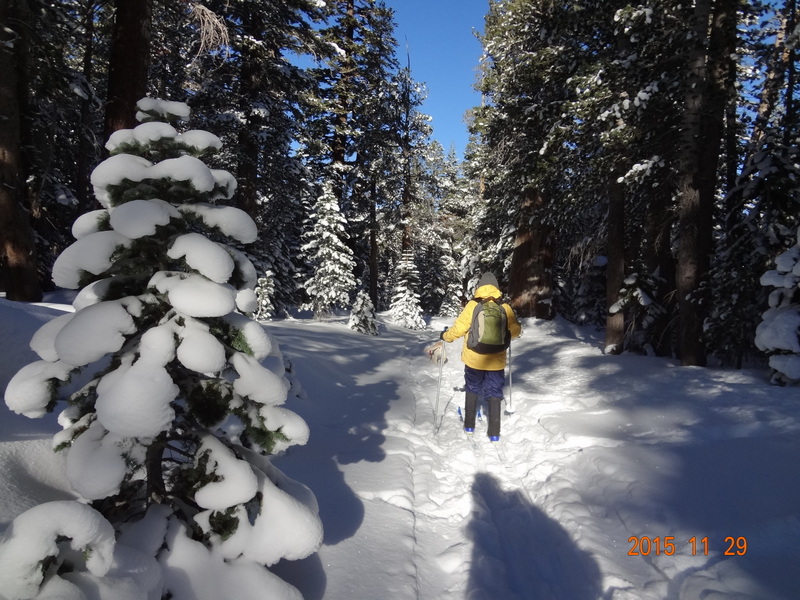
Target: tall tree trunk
(341, 112)
(340, 117)
(530, 284)
(128, 62)
(779, 74)
(659, 259)
(777, 70)
(249, 151)
(373, 244)
(712, 47)
(406, 152)
(615, 270)
(17, 250)
(790, 10)
(85, 154)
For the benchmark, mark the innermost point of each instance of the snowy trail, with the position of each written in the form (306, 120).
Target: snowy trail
(600, 450)
(465, 508)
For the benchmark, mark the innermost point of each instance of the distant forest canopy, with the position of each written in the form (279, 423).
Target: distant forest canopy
(633, 165)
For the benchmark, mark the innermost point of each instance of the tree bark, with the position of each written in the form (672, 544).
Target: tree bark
(615, 269)
(712, 47)
(128, 63)
(530, 285)
(17, 250)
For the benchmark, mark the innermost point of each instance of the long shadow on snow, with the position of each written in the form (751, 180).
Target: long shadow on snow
(346, 416)
(719, 455)
(521, 554)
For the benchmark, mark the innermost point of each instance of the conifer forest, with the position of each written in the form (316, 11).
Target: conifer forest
(632, 166)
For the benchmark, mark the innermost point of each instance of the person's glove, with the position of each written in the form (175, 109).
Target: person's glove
(441, 335)
(434, 352)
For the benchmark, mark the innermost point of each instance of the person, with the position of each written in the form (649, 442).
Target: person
(484, 374)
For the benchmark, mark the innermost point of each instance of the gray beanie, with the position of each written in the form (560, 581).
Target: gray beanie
(488, 279)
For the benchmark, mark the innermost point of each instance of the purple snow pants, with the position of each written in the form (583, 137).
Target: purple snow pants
(488, 384)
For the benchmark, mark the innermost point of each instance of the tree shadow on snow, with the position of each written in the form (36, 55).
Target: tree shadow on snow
(347, 417)
(307, 575)
(521, 554)
(705, 454)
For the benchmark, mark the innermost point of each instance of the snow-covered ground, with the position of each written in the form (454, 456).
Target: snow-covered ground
(604, 457)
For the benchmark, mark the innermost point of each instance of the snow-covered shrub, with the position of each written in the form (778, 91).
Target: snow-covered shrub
(166, 433)
(362, 318)
(405, 309)
(778, 334)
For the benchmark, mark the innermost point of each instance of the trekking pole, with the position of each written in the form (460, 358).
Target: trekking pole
(438, 387)
(509, 404)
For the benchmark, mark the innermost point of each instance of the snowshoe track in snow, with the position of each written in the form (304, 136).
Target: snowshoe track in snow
(600, 449)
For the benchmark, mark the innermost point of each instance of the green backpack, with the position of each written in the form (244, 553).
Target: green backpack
(489, 332)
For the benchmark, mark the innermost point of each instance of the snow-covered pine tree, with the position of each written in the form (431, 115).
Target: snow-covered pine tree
(332, 280)
(405, 310)
(362, 318)
(167, 432)
(778, 334)
(426, 220)
(264, 292)
(451, 298)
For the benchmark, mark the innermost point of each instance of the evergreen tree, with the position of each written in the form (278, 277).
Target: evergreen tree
(761, 204)
(17, 259)
(332, 280)
(52, 108)
(264, 293)
(405, 310)
(253, 92)
(439, 226)
(601, 123)
(168, 433)
(363, 318)
(351, 137)
(778, 334)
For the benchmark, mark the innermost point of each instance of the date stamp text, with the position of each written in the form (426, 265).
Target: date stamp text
(669, 546)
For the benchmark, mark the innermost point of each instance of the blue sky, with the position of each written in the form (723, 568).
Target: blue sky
(444, 53)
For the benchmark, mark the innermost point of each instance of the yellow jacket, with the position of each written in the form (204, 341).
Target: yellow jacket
(484, 362)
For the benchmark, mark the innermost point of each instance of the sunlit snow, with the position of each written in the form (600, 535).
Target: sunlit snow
(601, 454)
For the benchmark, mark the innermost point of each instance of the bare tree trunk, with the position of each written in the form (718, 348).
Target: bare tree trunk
(702, 132)
(530, 285)
(127, 68)
(615, 270)
(17, 250)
